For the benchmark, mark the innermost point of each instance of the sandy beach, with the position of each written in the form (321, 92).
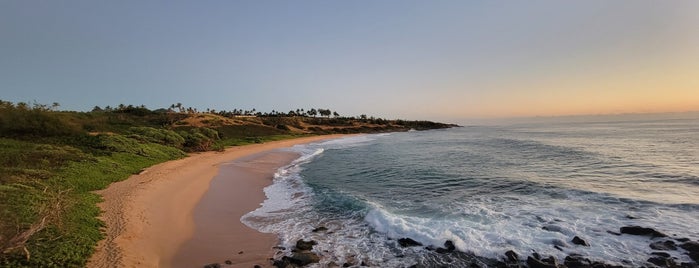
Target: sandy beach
(151, 217)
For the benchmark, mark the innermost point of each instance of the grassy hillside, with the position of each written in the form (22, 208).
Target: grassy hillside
(52, 161)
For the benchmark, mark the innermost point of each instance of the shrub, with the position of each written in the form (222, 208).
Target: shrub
(160, 136)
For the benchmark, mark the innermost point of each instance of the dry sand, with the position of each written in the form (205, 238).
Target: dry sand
(150, 216)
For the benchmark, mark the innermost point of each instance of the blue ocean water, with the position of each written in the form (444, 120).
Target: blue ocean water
(490, 189)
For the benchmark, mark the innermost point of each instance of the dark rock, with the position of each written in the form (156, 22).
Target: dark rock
(346, 264)
(441, 250)
(257, 266)
(663, 245)
(240, 252)
(512, 256)
(302, 258)
(558, 248)
(631, 217)
(638, 230)
(684, 239)
(279, 248)
(551, 260)
(283, 263)
(408, 242)
(661, 254)
(229, 262)
(536, 255)
(577, 261)
(689, 265)
(612, 232)
(534, 263)
(604, 265)
(305, 245)
(663, 262)
(579, 241)
(449, 245)
(692, 248)
(320, 229)
(213, 265)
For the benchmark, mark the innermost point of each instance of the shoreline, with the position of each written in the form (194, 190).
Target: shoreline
(149, 216)
(219, 235)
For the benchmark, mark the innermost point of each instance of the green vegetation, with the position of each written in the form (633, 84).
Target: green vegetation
(51, 162)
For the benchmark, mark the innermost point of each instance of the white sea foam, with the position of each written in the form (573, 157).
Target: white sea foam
(539, 213)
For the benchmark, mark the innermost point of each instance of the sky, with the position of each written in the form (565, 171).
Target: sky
(405, 59)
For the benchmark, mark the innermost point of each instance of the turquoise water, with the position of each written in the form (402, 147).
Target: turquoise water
(489, 189)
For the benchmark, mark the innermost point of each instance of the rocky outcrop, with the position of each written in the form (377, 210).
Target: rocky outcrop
(408, 242)
(638, 230)
(300, 257)
(692, 248)
(579, 241)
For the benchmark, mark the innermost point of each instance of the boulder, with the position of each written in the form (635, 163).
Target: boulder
(213, 265)
(692, 248)
(662, 261)
(579, 241)
(638, 230)
(449, 245)
(408, 242)
(577, 261)
(663, 245)
(534, 263)
(512, 256)
(320, 229)
(305, 245)
(303, 258)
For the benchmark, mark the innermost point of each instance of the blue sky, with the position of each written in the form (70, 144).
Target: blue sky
(395, 59)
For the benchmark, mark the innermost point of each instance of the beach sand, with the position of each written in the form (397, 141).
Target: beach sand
(151, 216)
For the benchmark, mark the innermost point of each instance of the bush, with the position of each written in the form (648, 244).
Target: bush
(160, 136)
(201, 139)
(23, 123)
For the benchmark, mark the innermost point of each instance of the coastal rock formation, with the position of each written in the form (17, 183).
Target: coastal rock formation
(663, 245)
(692, 248)
(577, 261)
(301, 256)
(448, 247)
(408, 242)
(549, 262)
(638, 230)
(579, 241)
(320, 229)
(305, 245)
(512, 256)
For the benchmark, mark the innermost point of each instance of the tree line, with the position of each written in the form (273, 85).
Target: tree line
(179, 108)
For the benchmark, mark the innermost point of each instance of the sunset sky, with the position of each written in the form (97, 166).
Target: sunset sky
(394, 59)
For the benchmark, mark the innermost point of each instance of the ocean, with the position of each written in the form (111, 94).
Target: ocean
(525, 187)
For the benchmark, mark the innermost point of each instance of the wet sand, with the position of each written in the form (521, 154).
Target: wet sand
(219, 235)
(149, 216)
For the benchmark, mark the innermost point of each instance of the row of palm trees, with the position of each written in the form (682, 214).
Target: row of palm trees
(179, 108)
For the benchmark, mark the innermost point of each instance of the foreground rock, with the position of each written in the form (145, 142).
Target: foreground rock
(638, 230)
(692, 248)
(408, 242)
(300, 257)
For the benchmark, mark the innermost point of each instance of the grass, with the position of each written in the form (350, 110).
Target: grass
(60, 183)
(52, 161)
